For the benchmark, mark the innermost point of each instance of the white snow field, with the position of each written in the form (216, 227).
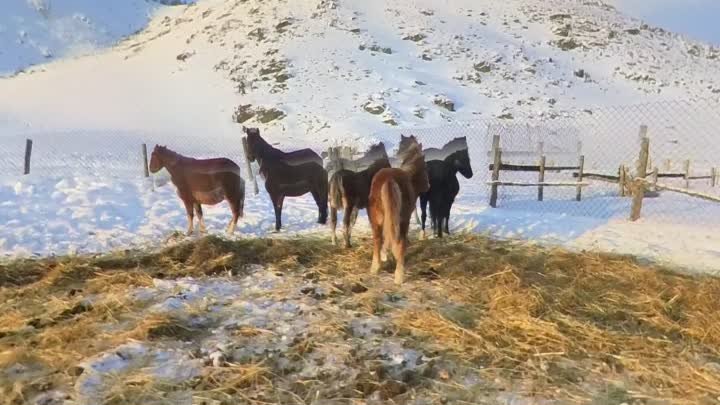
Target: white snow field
(318, 73)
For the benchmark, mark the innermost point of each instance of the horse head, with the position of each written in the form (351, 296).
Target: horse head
(461, 161)
(161, 157)
(254, 142)
(377, 151)
(405, 143)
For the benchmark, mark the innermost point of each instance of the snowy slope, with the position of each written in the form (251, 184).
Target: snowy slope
(332, 72)
(36, 31)
(305, 58)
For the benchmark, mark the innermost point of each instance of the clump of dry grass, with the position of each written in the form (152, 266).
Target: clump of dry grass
(535, 307)
(233, 382)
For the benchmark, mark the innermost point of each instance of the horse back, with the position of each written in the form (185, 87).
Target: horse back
(302, 156)
(384, 176)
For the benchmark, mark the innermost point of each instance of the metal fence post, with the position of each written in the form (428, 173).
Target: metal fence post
(28, 153)
(497, 161)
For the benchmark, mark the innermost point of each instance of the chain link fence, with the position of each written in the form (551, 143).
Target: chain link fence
(103, 154)
(684, 147)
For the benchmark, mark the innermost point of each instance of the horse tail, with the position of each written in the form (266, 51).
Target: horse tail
(336, 191)
(391, 198)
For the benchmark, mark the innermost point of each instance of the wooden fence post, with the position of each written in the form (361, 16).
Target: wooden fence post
(687, 173)
(249, 168)
(497, 161)
(639, 186)
(581, 166)
(146, 170)
(541, 179)
(28, 153)
(621, 180)
(655, 175)
(713, 176)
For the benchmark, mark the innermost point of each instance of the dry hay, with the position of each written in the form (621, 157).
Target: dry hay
(564, 324)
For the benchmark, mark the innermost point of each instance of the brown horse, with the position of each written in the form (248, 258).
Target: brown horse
(282, 179)
(198, 182)
(349, 191)
(258, 144)
(393, 195)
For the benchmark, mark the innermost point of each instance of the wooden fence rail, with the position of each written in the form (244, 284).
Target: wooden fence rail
(532, 168)
(497, 166)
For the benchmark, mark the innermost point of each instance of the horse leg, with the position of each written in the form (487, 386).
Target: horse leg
(347, 223)
(399, 247)
(355, 215)
(447, 221)
(333, 224)
(423, 209)
(236, 209)
(189, 206)
(383, 252)
(322, 206)
(201, 220)
(377, 245)
(277, 204)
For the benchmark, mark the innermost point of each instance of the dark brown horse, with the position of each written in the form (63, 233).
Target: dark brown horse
(393, 196)
(349, 191)
(282, 179)
(261, 147)
(198, 182)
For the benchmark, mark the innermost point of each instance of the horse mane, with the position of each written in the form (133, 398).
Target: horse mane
(455, 145)
(168, 154)
(378, 164)
(455, 153)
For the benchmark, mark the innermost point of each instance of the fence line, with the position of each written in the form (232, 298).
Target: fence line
(600, 151)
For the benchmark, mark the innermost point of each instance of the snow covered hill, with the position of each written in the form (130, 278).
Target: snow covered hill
(37, 31)
(317, 73)
(342, 70)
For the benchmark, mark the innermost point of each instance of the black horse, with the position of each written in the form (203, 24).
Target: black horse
(290, 174)
(444, 186)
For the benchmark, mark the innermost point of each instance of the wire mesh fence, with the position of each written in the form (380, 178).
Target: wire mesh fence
(684, 152)
(106, 154)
